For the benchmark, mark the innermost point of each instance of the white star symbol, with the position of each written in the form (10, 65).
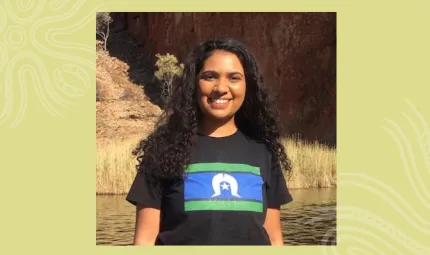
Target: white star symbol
(224, 186)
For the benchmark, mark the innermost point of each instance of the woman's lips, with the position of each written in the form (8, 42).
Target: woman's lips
(219, 103)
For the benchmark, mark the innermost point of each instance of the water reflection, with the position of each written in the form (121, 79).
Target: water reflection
(309, 220)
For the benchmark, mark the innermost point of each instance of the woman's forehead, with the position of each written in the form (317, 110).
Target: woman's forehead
(223, 61)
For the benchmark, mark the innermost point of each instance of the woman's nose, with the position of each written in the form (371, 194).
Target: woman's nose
(222, 85)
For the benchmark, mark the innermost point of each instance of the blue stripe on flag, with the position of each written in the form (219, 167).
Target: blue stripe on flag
(223, 186)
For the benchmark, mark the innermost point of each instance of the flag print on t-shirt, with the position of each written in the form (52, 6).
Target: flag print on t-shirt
(223, 186)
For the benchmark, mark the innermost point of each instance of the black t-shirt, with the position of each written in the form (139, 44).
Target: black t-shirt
(229, 185)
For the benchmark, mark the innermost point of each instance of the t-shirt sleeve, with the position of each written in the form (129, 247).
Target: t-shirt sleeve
(277, 190)
(143, 193)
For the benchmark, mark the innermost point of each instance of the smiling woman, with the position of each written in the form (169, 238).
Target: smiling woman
(212, 172)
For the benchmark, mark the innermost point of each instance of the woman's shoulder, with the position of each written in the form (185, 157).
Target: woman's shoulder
(258, 146)
(256, 142)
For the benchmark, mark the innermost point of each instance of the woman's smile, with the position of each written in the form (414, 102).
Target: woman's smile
(219, 103)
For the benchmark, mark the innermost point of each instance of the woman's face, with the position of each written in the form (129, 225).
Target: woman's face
(221, 86)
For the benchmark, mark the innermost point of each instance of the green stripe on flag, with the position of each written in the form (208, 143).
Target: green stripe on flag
(213, 205)
(222, 167)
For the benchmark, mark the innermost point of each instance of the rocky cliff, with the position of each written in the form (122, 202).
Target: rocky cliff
(296, 52)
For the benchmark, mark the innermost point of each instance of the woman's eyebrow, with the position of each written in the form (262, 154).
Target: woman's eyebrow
(206, 72)
(215, 72)
(233, 73)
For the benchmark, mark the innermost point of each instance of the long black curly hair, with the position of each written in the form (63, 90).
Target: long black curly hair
(165, 154)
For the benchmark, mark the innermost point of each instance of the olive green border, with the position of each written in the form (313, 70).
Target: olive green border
(47, 124)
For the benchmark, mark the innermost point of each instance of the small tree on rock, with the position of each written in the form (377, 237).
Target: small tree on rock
(103, 20)
(167, 69)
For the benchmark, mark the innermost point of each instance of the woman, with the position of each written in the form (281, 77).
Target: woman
(211, 172)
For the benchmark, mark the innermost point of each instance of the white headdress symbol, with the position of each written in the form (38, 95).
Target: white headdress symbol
(219, 178)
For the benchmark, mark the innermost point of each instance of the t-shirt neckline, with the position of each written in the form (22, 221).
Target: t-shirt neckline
(236, 133)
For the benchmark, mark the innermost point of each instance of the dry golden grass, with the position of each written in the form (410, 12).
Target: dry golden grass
(115, 167)
(314, 166)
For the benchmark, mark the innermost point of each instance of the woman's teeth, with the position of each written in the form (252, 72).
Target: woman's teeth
(221, 101)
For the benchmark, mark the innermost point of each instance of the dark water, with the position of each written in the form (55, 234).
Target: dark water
(309, 220)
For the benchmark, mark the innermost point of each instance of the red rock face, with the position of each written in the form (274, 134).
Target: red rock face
(296, 53)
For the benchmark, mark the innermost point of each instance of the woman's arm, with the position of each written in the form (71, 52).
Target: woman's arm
(147, 226)
(272, 225)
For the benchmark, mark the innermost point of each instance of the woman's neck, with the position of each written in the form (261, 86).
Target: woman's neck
(218, 128)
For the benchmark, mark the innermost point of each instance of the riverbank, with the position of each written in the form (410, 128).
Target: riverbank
(314, 166)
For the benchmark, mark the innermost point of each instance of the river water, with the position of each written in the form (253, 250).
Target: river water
(309, 220)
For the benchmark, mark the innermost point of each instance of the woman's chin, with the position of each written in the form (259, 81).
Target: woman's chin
(219, 115)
